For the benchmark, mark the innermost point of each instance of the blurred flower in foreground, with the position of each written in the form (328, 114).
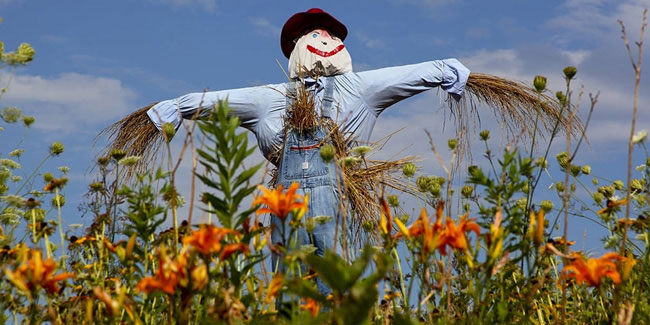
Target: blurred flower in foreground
(281, 204)
(208, 240)
(612, 206)
(166, 278)
(593, 270)
(35, 272)
(639, 137)
(311, 305)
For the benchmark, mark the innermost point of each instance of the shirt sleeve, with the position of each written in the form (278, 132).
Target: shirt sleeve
(385, 87)
(249, 104)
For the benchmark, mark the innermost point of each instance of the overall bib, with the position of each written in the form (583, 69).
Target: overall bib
(301, 162)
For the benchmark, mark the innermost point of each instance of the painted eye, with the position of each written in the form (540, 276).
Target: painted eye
(314, 35)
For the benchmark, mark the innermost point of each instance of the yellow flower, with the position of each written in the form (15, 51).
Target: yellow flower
(281, 204)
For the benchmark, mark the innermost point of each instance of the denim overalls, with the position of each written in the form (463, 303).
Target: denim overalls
(301, 162)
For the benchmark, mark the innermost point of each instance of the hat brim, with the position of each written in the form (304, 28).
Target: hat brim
(302, 22)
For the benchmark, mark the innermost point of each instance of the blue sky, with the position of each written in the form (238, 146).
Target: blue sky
(97, 61)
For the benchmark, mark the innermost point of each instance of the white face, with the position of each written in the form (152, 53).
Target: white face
(318, 53)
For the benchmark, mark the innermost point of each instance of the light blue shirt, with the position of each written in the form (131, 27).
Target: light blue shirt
(359, 98)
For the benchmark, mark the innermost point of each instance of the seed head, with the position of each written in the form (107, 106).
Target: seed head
(393, 201)
(169, 131)
(327, 152)
(618, 184)
(467, 191)
(451, 143)
(28, 120)
(118, 154)
(56, 148)
(540, 83)
(570, 72)
(546, 205)
(485, 134)
(408, 169)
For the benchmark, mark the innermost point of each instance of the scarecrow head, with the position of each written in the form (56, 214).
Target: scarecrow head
(313, 43)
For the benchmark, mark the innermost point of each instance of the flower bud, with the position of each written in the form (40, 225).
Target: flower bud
(435, 190)
(563, 159)
(438, 180)
(348, 162)
(485, 134)
(26, 53)
(408, 169)
(607, 191)
(586, 169)
(451, 143)
(169, 131)
(48, 177)
(525, 188)
(96, 186)
(637, 185)
(118, 154)
(618, 184)
(129, 161)
(56, 148)
(594, 181)
(546, 205)
(58, 200)
(467, 191)
(559, 186)
(361, 150)
(393, 201)
(103, 161)
(575, 170)
(561, 98)
(598, 197)
(28, 120)
(541, 161)
(327, 152)
(522, 203)
(570, 72)
(423, 183)
(540, 83)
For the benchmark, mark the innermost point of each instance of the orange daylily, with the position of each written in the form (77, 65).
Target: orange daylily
(312, 306)
(207, 240)
(436, 236)
(233, 248)
(274, 287)
(166, 278)
(593, 270)
(279, 203)
(35, 273)
(454, 234)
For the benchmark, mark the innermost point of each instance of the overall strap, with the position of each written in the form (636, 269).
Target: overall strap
(328, 98)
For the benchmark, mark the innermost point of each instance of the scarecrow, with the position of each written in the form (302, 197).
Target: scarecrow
(326, 102)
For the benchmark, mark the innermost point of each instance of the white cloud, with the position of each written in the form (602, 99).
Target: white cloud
(70, 101)
(265, 27)
(208, 5)
(373, 43)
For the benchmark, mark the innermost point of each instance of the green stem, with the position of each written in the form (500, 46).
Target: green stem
(58, 208)
(401, 279)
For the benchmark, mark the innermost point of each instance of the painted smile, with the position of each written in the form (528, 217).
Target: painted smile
(323, 53)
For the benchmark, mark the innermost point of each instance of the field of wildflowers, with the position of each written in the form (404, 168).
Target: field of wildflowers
(497, 259)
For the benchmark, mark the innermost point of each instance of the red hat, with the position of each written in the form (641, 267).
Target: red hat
(311, 19)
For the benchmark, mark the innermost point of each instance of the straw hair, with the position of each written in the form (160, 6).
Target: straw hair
(516, 104)
(136, 135)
